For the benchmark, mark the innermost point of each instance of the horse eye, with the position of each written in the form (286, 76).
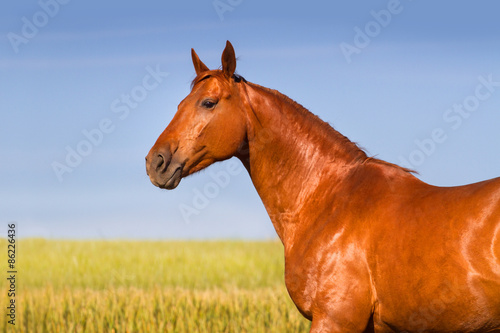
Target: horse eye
(208, 104)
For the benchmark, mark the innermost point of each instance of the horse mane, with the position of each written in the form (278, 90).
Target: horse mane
(313, 121)
(358, 153)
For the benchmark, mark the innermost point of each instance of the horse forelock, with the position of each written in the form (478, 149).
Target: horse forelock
(219, 74)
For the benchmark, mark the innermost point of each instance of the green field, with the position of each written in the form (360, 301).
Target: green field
(146, 286)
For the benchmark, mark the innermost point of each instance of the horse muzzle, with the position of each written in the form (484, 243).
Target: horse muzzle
(163, 169)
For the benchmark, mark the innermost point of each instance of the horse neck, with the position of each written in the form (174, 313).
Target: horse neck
(291, 154)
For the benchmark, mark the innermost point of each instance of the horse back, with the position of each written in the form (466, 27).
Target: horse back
(435, 255)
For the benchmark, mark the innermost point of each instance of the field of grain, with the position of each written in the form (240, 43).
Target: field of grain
(146, 286)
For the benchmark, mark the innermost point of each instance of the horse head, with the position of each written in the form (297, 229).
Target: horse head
(209, 125)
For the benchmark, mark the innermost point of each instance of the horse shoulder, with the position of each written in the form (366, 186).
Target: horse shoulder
(327, 276)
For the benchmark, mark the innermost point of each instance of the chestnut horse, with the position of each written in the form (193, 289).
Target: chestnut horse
(368, 246)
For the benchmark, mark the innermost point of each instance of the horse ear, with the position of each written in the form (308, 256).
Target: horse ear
(228, 60)
(199, 66)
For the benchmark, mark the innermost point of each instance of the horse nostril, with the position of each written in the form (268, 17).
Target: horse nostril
(160, 161)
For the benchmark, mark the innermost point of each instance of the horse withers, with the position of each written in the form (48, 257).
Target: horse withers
(368, 246)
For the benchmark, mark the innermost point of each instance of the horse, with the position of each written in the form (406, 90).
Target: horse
(368, 246)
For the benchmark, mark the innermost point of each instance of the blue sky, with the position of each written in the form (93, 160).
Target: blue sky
(412, 87)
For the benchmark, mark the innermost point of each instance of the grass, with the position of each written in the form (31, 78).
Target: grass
(145, 286)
